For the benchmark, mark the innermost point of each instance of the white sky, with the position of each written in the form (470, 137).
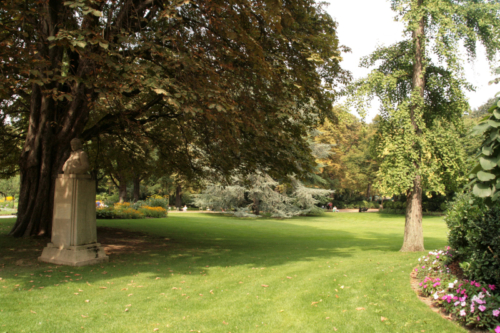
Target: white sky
(365, 24)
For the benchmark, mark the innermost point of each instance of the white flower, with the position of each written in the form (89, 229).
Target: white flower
(419, 259)
(456, 303)
(451, 285)
(462, 313)
(435, 295)
(463, 304)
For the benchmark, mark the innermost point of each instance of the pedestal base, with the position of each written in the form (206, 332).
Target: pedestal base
(82, 255)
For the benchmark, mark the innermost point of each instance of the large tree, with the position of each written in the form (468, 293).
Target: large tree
(422, 98)
(213, 83)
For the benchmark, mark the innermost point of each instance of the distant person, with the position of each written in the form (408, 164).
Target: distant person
(185, 208)
(335, 210)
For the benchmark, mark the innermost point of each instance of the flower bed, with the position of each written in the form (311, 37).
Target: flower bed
(471, 303)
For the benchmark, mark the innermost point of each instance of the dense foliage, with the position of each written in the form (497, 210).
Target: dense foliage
(486, 174)
(475, 237)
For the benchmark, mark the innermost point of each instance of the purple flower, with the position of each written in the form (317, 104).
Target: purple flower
(482, 308)
(496, 313)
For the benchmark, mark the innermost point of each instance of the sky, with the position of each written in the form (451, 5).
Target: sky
(365, 24)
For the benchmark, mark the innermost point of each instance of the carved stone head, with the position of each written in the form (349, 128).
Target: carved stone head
(76, 144)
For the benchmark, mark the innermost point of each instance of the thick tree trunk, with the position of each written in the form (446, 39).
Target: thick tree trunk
(44, 153)
(414, 238)
(178, 192)
(137, 188)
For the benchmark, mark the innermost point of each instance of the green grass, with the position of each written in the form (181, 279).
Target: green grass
(227, 260)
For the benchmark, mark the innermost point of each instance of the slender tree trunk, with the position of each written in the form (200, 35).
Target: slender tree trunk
(122, 189)
(414, 237)
(178, 192)
(137, 188)
(368, 191)
(256, 208)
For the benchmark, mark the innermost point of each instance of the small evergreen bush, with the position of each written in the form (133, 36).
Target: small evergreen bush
(475, 237)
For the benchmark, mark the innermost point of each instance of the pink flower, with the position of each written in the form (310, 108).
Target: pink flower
(425, 286)
(496, 313)
(482, 308)
(478, 284)
(416, 269)
(437, 257)
(436, 284)
(420, 284)
(497, 330)
(423, 267)
(492, 286)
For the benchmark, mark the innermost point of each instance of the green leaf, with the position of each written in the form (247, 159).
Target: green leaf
(97, 13)
(480, 128)
(494, 123)
(160, 91)
(51, 38)
(498, 183)
(496, 113)
(487, 163)
(487, 150)
(481, 190)
(104, 45)
(485, 176)
(81, 44)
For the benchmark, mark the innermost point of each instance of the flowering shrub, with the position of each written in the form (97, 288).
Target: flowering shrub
(153, 211)
(470, 302)
(127, 211)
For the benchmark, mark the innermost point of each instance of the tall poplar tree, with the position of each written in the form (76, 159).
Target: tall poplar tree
(420, 84)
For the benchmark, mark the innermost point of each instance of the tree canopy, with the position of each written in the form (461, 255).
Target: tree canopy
(215, 85)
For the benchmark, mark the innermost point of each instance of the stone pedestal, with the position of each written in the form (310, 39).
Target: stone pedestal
(74, 233)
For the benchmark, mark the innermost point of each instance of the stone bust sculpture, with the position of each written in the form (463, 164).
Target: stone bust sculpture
(78, 161)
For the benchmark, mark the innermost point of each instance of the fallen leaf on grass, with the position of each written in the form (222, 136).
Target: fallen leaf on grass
(156, 329)
(32, 311)
(126, 310)
(224, 322)
(87, 301)
(124, 288)
(240, 282)
(335, 329)
(75, 293)
(201, 294)
(174, 288)
(84, 316)
(344, 310)
(383, 318)
(337, 296)
(359, 309)
(157, 278)
(103, 287)
(288, 277)
(129, 295)
(80, 290)
(211, 292)
(282, 310)
(264, 285)
(314, 303)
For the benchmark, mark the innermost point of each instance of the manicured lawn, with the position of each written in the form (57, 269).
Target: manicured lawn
(339, 272)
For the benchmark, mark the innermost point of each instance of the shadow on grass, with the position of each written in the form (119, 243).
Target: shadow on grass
(188, 244)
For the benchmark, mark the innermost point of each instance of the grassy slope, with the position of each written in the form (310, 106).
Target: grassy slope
(232, 258)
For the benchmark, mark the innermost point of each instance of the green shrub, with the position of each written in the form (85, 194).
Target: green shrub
(104, 213)
(157, 202)
(475, 237)
(118, 213)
